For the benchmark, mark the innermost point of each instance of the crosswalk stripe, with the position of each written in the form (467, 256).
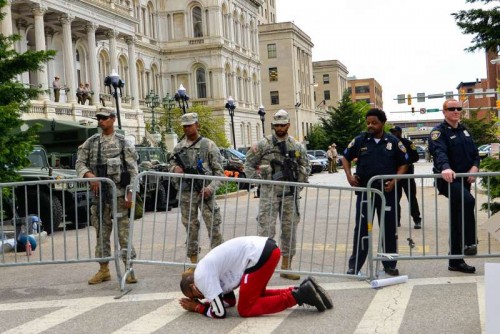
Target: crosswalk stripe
(266, 324)
(154, 320)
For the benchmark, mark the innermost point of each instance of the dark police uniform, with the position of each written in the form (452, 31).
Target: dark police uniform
(409, 186)
(455, 149)
(382, 158)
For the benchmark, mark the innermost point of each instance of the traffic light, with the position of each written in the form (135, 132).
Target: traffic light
(462, 94)
(498, 104)
(409, 99)
(413, 110)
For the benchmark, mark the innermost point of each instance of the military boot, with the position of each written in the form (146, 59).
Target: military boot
(131, 279)
(286, 264)
(307, 294)
(190, 271)
(102, 275)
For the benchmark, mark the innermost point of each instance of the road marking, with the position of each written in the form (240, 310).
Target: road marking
(265, 324)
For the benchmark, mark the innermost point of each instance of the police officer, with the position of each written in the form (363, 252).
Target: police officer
(199, 155)
(453, 151)
(269, 155)
(377, 153)
(108, 155)
(408, 186)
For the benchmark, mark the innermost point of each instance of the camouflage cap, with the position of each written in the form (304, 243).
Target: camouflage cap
(281, 117)
(108, 112)
(190, 118)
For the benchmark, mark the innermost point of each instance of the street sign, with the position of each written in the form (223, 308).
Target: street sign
(448, 95)
(435, 96)
(420, 97)
(433, 110)
(401, 98)
(423, 110)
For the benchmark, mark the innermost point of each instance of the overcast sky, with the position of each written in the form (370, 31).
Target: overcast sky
(408, 46)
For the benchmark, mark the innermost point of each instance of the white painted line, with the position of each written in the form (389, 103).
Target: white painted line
(386, 311)
(154, 320)
(264, 324)
(52, 319)
(481, 299)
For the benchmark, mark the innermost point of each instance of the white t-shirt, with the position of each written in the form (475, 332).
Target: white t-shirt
(221, 270)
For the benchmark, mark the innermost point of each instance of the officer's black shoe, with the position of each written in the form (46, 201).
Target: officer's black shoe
(470, 250)
(391, 271)
(418, 225)
(307, 294)
(399, 224)
(351, 272)
(463, 267)
(325, 297)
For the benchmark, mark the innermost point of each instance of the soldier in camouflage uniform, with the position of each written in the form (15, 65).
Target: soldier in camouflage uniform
(274, 155)
(109, 154)
(199, 155)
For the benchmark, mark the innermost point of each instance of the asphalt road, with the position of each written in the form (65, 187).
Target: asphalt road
(57, 299)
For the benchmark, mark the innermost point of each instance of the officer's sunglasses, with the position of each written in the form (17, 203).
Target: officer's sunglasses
(102, 118)
(454, 109)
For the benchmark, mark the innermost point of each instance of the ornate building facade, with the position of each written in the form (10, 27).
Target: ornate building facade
(211, 47)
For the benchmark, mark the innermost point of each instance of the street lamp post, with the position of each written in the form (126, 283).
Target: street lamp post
(230, 106)
(113, 80)
(168, 104)
(181, 96)
(152, 101)
(297, 106)
(262, 114)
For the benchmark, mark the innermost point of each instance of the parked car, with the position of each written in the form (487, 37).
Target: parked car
(421, 151)
(484, 151)
(234, 161)
(317, 165)
(321, 155)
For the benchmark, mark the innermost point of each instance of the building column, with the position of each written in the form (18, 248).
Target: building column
(113, 61)
(42, 77)
(6, 24)
(132, 69)
(69, 65)
(22, 24)
(95, 84)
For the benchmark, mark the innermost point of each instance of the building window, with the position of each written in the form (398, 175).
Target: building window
(326, 78)
(349, 90)
(326, 95)
(362, 89)
(273, 74)
(275, 97)
(197, 22)
(201, 83)
(271, 50)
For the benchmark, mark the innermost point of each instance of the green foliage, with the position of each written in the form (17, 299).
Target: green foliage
(491, 164)
(483, 23)
(227, 187)
(482, 130)
(14, 100)
(318, 138)
(211, 126)
(344, 122)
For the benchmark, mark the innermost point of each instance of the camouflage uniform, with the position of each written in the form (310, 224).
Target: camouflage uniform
(274, 200)
(111, 155)
(206, 153)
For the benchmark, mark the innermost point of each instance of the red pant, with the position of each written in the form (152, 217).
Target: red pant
(255, 299)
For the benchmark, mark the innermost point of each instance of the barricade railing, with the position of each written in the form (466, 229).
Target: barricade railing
(66, 235)
(432, 241)
(323, 235)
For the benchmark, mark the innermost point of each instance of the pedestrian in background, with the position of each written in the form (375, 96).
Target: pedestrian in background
(332, 158)
(408, 185)
(247, 263)
(196, 154)
(377, 153)
(454, 151)
(269, 155)
(110, 155)
(56, 86)
(79, 93)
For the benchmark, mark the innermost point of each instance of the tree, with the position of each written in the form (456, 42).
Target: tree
(14, 100)
(344, 122)
(210, 126)
(482, 130)
(481, 22)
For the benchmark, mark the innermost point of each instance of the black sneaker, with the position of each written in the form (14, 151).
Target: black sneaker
(391, 271)
(325, 297)
(418, 224)
(307, 294)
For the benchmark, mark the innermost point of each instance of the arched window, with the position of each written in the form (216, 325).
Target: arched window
(201, 83)
(197, 22)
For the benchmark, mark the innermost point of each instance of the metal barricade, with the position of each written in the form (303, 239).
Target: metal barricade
(324, 233)
(67, 235)
(432, 241)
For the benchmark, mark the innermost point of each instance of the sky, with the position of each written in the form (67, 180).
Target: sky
(408, 46)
